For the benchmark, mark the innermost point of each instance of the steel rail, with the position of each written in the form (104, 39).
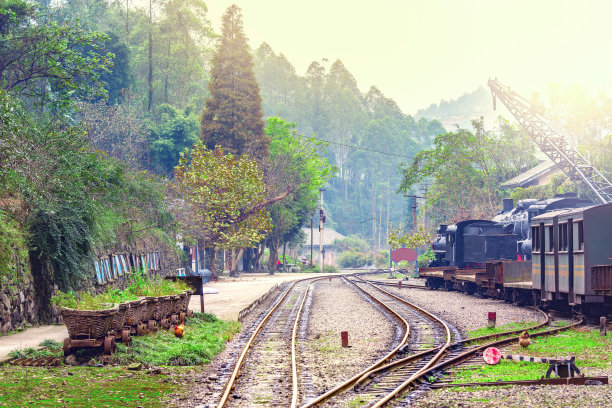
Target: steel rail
(432, 361)
(348, 383)
(465, 356)
(457, 343)
(251, 340)
(295, 394)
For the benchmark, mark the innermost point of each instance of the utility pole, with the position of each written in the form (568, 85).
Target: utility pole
(311, 239)
(321, 227)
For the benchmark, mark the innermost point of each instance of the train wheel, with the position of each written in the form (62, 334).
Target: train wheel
(174, 319)
(109, 345)
(189, 313)
(152, 325)
(182, 317)
(125, 337)
(140, 329)
(67, 349)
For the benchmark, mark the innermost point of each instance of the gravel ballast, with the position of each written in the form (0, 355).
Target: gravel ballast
(337, 307)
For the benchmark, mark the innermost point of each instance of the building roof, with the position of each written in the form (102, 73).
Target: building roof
(531, 174)
(329, 236)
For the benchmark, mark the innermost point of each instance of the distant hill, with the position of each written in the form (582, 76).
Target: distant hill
(463, 110)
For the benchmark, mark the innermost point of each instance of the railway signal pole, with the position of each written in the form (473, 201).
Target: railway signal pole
(321, 228)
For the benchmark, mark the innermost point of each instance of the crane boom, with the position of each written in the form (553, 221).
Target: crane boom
(553, 144)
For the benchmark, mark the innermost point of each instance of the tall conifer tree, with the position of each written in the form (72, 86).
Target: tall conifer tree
(233, 116)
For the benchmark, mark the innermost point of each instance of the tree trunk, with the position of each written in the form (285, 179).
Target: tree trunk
(234, 259)
(284, 259)
(213, 264)
(150, 77)
(273, 261)
(258, 254)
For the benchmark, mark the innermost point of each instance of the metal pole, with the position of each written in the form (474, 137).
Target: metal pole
(321, 261)
(311, 239)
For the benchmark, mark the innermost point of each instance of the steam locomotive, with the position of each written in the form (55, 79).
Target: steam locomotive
(469, 244)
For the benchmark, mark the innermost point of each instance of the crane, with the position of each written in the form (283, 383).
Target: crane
(553, 144)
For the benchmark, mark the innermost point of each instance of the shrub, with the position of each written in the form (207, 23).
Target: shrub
(354, 259)
(330, 269)
(382, 259)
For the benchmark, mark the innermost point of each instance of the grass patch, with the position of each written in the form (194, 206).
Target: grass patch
(81, 387)
(358, 401)
(486, 331)
(205, 336)
(52, 349)
(590, 349)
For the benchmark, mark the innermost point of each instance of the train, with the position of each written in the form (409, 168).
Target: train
(554, 252)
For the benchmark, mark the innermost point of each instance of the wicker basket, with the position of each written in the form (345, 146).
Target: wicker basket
(120, 318)
(151, 308)
(93, 324)
(136, 311)
(166, 304)
(154, 308)
(186, 300)
(179, 300)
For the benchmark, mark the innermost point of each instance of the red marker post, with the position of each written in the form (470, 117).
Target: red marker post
(344, 338)
(399, 284)
(492, 318)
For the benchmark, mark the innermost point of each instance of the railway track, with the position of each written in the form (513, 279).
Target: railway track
(426, 335)
(267, 373)
(394, 382)
(267, 365)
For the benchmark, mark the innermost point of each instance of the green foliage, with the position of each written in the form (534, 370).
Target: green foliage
(399, 239)
(351, 243)
(587, 345)
(329, 269)
(205, 336)
(424, 258)
(353, 259)
(467, 170)
(45, 59)
(83, 387)
(64, 236)
(139, 284)
(13, 249)
(172, 132)
(382, 259)
(224, 198)
(560, 183)
(233, 114)
(296, 163)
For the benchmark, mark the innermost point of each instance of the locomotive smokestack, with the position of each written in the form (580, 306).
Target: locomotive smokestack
(508, 204)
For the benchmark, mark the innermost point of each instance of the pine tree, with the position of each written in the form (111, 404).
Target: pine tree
(233, 116)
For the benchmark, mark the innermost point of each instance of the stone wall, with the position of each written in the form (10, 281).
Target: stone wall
(17, 304)
(28, 302)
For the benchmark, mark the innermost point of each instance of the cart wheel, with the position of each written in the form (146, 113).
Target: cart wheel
(152, 325)
(109, 345)
(140, 329)
(182, 317)
(174, 319)
(125, 337)
(165, 323)
(189, 313)
(67, 349)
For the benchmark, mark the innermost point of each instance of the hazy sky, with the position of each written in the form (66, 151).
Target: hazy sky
(419, 52)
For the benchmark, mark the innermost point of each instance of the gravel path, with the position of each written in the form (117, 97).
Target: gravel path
(464, 311)
(335, 308)
(573, 396)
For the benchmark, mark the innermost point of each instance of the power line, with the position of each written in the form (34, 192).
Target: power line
(366, 149)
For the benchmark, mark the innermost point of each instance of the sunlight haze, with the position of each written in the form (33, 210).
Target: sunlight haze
(419, 52)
